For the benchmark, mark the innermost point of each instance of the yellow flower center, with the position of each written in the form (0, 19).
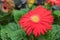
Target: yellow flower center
(31, 1)
(35, 18)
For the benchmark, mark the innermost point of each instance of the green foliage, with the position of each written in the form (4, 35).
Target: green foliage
(19, 13)
(57, 13)
(12, 31)
(5, 18)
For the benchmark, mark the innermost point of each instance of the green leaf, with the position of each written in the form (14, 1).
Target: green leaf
(16, 35)
(19, 13)
(12, 26)
(12, 31)
(57, 12)
(56, 15)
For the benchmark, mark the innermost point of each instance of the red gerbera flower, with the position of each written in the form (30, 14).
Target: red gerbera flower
(37, 21)
(57, 2)
(54, 2)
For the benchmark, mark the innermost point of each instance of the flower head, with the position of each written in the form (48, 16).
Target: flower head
(54, 2)
(30, 2)
(7, 5)
(37, 21)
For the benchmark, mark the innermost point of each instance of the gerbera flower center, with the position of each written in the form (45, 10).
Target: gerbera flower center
(5, 7)
(35, 18)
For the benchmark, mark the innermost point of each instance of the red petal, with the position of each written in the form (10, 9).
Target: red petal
(35, 32)
(42, 32)
(29, 31)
